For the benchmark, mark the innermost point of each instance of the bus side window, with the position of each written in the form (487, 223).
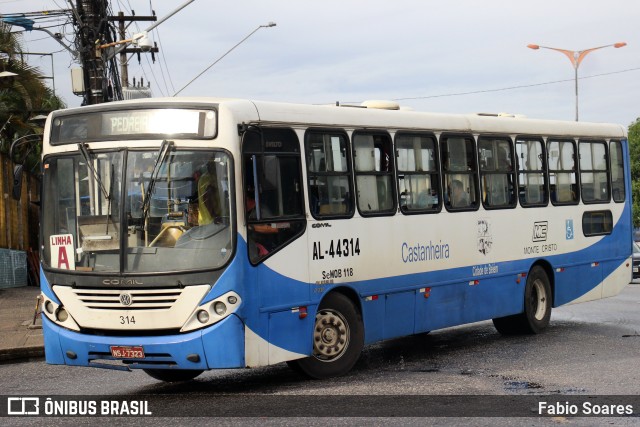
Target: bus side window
(459, 172)
(594, 174)
(496, 172)
(373, 160)
(532, 177)
(273, 190)
(617, 171)
(418, 174)
(329, 174)
(562, 172)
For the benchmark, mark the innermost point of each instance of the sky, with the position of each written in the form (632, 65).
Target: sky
(454, 56)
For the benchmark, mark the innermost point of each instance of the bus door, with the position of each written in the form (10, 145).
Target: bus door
(275, 221)
(273, 191)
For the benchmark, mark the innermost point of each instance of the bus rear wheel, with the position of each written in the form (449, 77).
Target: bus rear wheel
(338, 338)
(173, 375)
(537, 307)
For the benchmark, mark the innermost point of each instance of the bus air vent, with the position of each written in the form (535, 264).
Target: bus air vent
(135, 299)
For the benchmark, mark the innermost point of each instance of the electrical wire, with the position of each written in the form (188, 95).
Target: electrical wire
(513, 87)
(164, 58)
(107, 30)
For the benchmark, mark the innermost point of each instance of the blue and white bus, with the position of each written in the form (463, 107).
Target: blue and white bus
(181, 235)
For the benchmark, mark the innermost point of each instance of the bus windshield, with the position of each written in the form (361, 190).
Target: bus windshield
(164, 211)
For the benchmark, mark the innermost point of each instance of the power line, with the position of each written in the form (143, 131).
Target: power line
(163, 59)
(513, 87)
(166, 66)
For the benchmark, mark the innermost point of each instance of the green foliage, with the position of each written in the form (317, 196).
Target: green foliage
(634, 152)
(21, 99)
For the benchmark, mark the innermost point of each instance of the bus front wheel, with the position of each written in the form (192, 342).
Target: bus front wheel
(338, 338)
(173, 375)
(537, 307)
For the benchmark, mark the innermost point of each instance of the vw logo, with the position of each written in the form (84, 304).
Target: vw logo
(125, 299)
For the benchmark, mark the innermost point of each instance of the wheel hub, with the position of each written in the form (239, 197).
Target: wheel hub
(330, 336)
(539, 298)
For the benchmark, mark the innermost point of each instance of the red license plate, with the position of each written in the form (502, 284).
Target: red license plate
(127, 352)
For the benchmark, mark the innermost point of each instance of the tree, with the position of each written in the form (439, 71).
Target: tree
(22, 98)
(634, 153)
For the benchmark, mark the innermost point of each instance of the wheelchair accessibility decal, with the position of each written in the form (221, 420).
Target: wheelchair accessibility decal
(569, 229)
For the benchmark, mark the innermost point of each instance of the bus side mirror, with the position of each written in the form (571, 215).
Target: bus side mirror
(17, 181)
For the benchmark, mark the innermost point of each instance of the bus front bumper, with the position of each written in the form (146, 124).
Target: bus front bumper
(218, 346)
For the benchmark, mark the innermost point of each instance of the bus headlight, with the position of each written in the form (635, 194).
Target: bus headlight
(203, 316)
(62, 315)
(58, 314)
(213, 311)
(220, 308)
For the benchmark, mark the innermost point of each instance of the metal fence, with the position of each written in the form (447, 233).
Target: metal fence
(13, 268)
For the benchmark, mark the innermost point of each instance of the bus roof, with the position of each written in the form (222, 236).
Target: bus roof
(304, 115)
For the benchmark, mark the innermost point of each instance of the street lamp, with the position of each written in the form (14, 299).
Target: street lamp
(269, 25)
(141, 40)
(576, 58)
(7, 78)
(27, 24)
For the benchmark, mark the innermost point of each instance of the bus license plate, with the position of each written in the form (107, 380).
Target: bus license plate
(127, 352)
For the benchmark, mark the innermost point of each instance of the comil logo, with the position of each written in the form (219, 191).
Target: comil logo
(540, 231)
(23, 406)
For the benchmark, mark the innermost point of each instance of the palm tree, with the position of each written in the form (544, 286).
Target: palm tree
(21, 98)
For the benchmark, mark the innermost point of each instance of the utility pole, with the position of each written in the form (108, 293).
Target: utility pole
(91, 25)
(94, 28)
(121, 19)
(95, 32)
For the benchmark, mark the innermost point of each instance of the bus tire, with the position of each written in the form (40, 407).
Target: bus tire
(537, 307)
(173, 375)
(338, 339)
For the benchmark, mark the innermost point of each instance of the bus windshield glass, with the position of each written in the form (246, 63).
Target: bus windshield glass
(164, 212)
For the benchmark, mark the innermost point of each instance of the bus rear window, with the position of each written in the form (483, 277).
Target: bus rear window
(156, 123)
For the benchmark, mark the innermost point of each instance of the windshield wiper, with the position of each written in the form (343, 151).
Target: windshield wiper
(162, 154)
(106, 193)
(87, 158)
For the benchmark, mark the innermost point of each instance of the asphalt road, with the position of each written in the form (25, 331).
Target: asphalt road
(589, 349)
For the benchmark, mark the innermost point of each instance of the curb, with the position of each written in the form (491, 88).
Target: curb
(10, 355)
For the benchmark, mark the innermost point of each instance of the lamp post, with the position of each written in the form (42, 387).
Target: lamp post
(7, 78)
(27, 24)
(269, 25)
(576, 57)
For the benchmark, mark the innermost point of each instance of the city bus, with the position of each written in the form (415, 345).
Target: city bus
(187, 234)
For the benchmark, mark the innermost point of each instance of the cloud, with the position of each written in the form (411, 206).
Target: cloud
(322, 52)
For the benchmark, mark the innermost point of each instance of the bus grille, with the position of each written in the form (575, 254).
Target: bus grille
(156, 309)
(135, 299)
